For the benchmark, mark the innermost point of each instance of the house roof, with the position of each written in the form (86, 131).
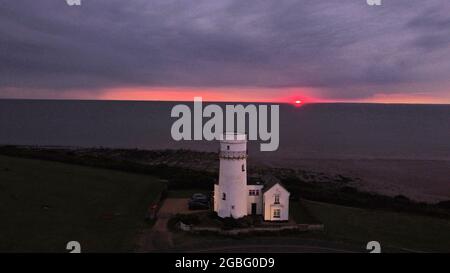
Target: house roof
(255, 184)
(253, 180)
(270, 181)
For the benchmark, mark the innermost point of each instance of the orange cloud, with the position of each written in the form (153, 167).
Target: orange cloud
(285, 95)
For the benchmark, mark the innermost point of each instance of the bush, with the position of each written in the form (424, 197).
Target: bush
(230, 223)
(171, 224)
(189, 219)
(444, 204)
(244, 222)
(348, 189)
(402, 198)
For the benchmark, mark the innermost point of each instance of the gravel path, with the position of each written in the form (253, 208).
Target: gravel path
(159, 238)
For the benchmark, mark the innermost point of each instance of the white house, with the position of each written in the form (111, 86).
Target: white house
(234, 197)
(275, 202)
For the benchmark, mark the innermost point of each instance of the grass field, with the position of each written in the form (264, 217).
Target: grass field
(391, 229)
(43, 205)
(345, 228)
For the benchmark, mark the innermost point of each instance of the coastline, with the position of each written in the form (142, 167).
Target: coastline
(418, 180)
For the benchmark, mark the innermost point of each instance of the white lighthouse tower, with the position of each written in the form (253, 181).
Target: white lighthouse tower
(230, 194)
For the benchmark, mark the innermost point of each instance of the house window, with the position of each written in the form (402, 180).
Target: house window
(224, 196)
(232, 207)
(276, 213)
(253, 192)
(277, 199)
(243, 167)
(228, 147)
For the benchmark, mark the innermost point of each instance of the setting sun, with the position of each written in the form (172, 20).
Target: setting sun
(298, 103)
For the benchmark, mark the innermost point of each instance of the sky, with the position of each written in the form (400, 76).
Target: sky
(227, 50)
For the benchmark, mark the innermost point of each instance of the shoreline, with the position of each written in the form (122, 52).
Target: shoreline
(419, 180)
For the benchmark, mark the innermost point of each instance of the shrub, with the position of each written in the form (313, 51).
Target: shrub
(444, 204)
(230, 223)
(244, 222)
(402, 198)
(189, 219)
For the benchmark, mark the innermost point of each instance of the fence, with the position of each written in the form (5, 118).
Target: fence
(299, 227)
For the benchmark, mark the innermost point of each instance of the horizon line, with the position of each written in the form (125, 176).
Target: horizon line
(230, 101)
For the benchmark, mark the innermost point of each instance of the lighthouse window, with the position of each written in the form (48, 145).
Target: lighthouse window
(243, 167)
(228, 147)
(224, 196)
(277, 199)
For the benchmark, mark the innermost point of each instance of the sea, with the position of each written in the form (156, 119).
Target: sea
(322, 130)
(391, 149)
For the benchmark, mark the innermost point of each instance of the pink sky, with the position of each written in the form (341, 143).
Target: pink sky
(238, 94)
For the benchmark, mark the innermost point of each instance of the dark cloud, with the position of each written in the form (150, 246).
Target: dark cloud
(343, 47)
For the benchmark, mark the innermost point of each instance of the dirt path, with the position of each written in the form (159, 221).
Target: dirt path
(159, 238)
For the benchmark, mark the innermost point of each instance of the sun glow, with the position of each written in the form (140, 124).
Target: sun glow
(297, 102)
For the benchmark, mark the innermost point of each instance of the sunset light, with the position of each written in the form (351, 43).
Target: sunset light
(244, 129)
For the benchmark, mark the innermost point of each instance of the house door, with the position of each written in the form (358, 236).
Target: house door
(253, 208)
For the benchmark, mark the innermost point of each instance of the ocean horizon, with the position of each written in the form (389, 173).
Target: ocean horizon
(316, 130)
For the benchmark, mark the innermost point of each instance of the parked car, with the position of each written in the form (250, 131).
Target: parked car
(199, 201)
(199, 197)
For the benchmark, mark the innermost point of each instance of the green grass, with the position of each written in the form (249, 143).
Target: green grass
(391, 229)
(43, 205)
(301, 215)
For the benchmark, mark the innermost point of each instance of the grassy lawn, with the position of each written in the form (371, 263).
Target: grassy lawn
(301, 214)
(398, 230)
(44, 204)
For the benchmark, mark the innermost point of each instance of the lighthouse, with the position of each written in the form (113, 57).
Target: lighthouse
(236, 197)
(230, 194)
